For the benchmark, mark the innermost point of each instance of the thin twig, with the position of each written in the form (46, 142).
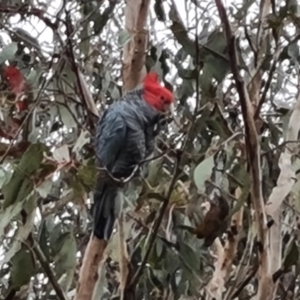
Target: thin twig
(248, 38)
(157, 224)
(45, 265)
(197, 65)
(245, 282)
(75, 67)
(283, 144)
(148, 229)
(268, 84)
(135, 170)
(27, 10)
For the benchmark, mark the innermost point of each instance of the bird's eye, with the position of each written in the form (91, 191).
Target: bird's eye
(162, 98)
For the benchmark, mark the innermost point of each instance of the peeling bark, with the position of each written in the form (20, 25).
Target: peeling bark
(226, 254)
(88, 275)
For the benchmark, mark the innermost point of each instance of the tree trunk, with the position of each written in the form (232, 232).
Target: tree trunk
(134, 70)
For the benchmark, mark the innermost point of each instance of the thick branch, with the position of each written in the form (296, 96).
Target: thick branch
(285, 183)
(124, 258)
(286, 180)
(227, 254)
(253, 153)
(88, 275)
(136, 13)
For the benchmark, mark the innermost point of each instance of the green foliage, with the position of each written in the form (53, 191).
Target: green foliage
(203, 172)
(48, 168)
(20, 184)
(124, 37)
(8, 52)
(23, 260)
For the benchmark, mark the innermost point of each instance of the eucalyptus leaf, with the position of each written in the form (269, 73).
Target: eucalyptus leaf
(8, 214)
(203, 172)
(33, 78)
(124, 37)
(68, 115)
(21, 235)
(8, 52)
(87, 174)
(20, 185)
(82, 140)
(23, 267)
(65, 259)
(292, 256)
(44, 188)
(62, 154)
(4, 176)
(293, 51)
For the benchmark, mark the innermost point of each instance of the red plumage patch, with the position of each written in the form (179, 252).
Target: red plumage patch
(155, 94)
(15, 79)
(151, 78)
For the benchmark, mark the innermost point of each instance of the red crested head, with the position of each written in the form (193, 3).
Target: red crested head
(155, 94)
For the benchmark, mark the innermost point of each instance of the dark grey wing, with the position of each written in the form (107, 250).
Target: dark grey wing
(134, 151)
(110, 139)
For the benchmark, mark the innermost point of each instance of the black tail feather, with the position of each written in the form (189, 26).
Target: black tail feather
(104, 210)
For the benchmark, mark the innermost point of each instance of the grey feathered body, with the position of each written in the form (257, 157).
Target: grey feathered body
(125, 136)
